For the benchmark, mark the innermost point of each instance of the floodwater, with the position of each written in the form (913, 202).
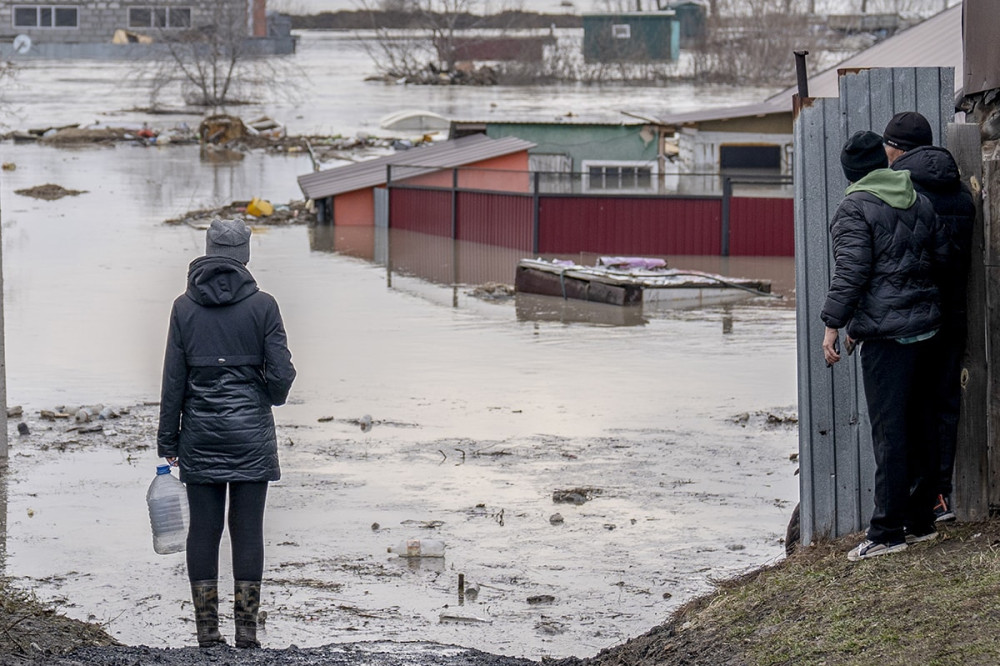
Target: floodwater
(480, 410)
(330, 95)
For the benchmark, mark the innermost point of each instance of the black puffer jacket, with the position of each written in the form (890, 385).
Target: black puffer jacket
(935, 175)
(887, 244)
(227, 362)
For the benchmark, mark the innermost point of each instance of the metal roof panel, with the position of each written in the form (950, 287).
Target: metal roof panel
(444, 155)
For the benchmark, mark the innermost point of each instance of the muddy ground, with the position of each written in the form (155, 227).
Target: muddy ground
(35, 633)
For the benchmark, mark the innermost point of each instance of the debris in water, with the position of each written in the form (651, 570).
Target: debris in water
(325, 419)
(366, 423)
(556, 519)
(463, 619)
(493, 291)
(575, 495)
(22, 428)
(49, 192)
(551, 627)
(539, 599)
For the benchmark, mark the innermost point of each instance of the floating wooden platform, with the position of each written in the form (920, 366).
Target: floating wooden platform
(617, 286)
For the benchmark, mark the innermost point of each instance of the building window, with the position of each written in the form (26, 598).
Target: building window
(33, 16)
(621, 31)
(750, 157)
(619, 176)
(159, 17)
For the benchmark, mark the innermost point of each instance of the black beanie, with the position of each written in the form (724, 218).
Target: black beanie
(908, 130)
(862, 154)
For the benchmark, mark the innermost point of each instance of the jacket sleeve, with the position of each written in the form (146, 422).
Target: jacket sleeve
(852, 256)
(174, 383)
(278, 369)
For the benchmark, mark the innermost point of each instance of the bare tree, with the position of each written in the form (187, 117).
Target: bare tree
(8, 70)
(215, 63)
(752, 42)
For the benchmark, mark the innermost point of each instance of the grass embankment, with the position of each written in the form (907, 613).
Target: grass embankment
(936, 603)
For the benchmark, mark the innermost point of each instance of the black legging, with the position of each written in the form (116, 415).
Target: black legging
(246, 529)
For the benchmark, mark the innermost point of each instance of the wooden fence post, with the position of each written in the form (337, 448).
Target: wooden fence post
(971, 478)
(991, 231)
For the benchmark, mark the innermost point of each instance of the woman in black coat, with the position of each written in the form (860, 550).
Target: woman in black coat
(226, 364)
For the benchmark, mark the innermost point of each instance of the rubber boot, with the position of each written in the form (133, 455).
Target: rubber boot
(205, 594)
(245, 608)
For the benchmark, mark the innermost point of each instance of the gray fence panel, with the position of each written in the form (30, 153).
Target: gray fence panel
(836, 459)
(381, 202)
(818, 480)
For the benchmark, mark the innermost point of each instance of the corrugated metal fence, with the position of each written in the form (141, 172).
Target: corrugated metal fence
(836, 461)
(542, 222)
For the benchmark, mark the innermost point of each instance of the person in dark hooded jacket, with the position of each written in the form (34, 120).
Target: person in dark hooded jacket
(887, 245)
(226, 364)
(908, 144)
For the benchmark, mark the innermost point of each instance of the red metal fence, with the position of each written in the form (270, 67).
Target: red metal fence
(571, 223)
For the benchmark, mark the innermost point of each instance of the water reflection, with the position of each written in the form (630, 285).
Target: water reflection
(534, 307)
(458, 265)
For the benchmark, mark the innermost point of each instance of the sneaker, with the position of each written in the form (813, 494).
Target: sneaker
(943, 511)
(869, 548)
(918, 538)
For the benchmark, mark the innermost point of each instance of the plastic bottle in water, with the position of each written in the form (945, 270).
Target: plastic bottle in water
(418, 548)
(168, 512)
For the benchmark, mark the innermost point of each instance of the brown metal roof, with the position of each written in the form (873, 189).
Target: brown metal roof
(443, 155)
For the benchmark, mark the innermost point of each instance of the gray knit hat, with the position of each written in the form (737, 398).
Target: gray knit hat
(228, 238)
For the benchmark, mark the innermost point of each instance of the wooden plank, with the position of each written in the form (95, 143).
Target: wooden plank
(971, 482)
(991, 223)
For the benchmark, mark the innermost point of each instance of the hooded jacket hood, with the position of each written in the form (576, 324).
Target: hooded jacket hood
(892, 187)
(932, 168)
(215, 281)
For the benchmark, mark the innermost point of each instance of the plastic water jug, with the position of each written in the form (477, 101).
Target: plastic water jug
(418, 548)
(168, 512)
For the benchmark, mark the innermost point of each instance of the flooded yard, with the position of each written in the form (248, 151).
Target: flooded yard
(675, 426)
(481, 411)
